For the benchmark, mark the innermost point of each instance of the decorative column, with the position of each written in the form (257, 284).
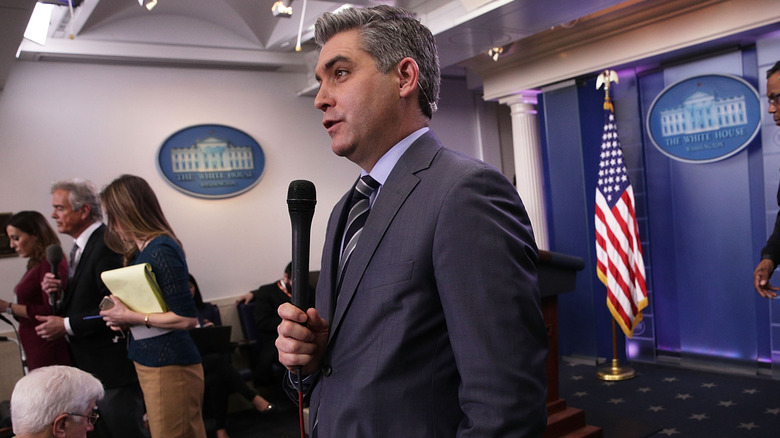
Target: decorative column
(528, 160)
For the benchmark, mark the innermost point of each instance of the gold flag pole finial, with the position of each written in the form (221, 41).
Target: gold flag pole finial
(606, 78)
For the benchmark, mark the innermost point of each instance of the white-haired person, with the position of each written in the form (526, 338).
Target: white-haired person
(55, 401)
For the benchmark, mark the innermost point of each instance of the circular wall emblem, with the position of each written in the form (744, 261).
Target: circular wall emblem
(704, 118)
(211, 161)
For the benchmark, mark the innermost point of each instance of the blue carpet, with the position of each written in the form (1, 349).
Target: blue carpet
(668, 401)
(661, 401)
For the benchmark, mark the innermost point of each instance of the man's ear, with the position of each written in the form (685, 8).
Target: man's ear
(85, 211)
(59, 427)
(408, 74)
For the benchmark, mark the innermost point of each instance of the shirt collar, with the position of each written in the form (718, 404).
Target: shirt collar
(385, 165)
(83, 238)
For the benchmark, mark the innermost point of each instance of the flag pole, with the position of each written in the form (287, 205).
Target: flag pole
(615, 371)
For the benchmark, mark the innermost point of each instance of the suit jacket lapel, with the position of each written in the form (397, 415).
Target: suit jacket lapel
(86, 254)
(399, 185)
(331, 252)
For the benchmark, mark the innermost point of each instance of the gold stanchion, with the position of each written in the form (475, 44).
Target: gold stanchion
(615, 372)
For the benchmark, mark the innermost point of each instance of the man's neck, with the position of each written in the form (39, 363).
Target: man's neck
(82, 227)
(46, 433)
(404, 130)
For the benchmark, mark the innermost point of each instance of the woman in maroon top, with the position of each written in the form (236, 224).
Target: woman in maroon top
(30, 234)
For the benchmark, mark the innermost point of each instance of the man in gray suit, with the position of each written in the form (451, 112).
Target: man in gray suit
(430, 325)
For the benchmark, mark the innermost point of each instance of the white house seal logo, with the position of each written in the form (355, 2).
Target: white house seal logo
(211, 161)
(704, 118)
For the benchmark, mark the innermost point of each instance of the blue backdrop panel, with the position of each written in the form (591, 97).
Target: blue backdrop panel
(703, 212)
(568, 225)
(662, 256)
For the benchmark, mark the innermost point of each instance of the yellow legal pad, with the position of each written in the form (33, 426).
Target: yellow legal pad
(137, 287)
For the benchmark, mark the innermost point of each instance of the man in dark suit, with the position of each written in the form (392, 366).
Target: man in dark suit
(94, 347)
(434, 326)
(770, 254)
(267, 299)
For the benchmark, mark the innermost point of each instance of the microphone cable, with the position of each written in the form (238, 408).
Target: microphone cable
(22, 356)
(300, 400)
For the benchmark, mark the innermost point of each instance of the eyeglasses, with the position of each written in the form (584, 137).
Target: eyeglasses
(93, 418)
(772, 98)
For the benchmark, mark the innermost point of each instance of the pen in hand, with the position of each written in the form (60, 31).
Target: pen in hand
(93, 317)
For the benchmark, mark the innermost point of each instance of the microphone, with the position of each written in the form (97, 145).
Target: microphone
(301, 198)
(54, 257)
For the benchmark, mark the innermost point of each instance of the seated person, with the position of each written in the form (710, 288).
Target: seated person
(221, 378)
(267, 300)
(55, 401)
(208, 314)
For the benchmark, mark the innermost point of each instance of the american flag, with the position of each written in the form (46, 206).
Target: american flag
(618, 249)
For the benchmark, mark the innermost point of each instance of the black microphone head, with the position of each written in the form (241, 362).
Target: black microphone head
(303, 190)
(54, 254)
(301, 194)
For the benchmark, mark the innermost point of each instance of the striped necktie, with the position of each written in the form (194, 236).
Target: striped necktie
(72, 260)
(358, 214)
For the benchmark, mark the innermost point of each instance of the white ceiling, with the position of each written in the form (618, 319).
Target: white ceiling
(245, 34)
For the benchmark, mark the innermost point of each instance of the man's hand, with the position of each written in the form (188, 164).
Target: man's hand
(299, 344)
(50, 285)
(51, 327)
(246, 298)
(761, 277)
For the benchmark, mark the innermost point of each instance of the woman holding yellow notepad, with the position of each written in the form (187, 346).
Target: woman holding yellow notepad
(166, 359)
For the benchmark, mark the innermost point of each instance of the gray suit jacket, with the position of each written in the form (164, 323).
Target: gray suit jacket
(437, 330)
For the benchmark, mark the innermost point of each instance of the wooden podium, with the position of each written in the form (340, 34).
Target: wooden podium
(557, 275)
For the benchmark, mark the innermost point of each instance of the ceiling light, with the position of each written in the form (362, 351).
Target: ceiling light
(282, 8)
(150, 4)
(38, 26)
(495, 52)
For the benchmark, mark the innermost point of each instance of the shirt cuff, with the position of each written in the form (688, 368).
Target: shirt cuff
(67, 326)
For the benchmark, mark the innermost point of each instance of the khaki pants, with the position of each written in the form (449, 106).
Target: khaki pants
(174, 397)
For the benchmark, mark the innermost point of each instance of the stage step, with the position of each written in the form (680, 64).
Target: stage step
(568, 422)
(586, 432)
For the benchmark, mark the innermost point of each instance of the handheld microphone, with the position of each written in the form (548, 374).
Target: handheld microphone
(54, 257)
(301, 199)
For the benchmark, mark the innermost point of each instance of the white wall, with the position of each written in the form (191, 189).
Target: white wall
(61, 120)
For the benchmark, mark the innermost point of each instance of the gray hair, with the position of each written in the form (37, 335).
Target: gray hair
(48, 392)
(390, 34)
(82, 192)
